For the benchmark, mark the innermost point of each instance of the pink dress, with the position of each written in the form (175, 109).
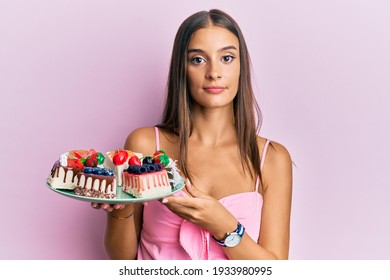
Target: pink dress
(166, 236)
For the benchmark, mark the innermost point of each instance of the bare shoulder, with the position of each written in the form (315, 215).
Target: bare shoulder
(142, 140)
(278, 156)
(277, 168)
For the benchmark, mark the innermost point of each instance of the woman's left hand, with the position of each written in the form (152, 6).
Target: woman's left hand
(203, 210)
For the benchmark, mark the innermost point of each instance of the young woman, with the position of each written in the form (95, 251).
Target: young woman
(237, 200)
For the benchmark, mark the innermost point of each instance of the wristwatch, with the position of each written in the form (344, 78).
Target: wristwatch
(232, 238)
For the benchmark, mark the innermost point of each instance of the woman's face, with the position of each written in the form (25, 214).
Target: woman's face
(213, 66)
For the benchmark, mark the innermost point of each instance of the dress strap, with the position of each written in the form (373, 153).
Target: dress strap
(262, 163)
(257, 183)
(157, 138)
(263, 154)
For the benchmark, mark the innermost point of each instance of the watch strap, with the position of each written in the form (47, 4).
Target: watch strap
(240, 230)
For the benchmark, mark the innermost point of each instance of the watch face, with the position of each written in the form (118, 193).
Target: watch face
(233, 239)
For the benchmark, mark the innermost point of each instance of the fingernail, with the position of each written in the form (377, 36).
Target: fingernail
(164, 200)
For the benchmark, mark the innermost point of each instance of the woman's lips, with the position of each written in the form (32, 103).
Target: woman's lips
(214, 90)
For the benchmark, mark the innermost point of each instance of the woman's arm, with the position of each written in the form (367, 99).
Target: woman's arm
(124, 222)
(122, 232)
(274, 236)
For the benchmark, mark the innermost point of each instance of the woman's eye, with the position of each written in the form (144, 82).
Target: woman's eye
(228, 58)
(197, 60)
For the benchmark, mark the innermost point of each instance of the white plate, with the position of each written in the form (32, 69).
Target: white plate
(121, 196)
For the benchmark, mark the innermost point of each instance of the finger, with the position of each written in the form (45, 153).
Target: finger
(180, 200)
(118, 206)
(165, 199)
(106, 206)
(94, 205)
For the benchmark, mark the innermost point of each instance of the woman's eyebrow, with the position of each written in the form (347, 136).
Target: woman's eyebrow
(231, 47)
(195, 51)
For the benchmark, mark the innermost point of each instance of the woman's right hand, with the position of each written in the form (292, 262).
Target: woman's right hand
(117, 208)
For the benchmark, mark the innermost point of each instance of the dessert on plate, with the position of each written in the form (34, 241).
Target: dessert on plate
(144, 176)
(84, 172)
(88, 173)
(147, 177)
(118, 160)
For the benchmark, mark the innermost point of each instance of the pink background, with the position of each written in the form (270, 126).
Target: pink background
(83, 74)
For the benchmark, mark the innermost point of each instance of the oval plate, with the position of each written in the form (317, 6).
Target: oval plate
(121, 196)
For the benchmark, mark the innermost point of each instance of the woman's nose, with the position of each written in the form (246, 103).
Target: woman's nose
(213, 72)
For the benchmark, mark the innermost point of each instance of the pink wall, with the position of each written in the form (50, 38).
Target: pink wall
(81, 74)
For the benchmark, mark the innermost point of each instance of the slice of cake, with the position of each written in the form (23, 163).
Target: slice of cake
(118, 160)
(146, 180)
(96, 182)
(84, 172)
(63, 176)
(151, 176)
(64, 172)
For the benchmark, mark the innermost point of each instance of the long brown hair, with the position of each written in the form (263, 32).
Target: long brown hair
(177, 115)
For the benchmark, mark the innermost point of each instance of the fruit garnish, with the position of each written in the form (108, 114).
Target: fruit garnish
(91, 161)
(98, 171)
(134, 160)
(161, 157)
(81, 153)
(153, 167)
(120, 157)
(78, 154)
(160, 152)
(74, 163)
(108, 172)
(144, 168)
(88, 170)
(134, 169)
(158, 166)
(147, 160)
(100, 158)
(149, 167)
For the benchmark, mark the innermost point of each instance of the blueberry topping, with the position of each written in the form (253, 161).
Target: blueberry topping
(147, 160)
(107, 172)
(88, 170)
(98, 171)
(144, 168)
(150, 167)
(135, 169)
(158, 166)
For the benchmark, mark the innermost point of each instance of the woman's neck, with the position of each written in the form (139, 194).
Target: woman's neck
(213, 126)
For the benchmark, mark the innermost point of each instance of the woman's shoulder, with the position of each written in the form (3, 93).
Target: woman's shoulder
(277, 161)
(142, 140)
(275, 150)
